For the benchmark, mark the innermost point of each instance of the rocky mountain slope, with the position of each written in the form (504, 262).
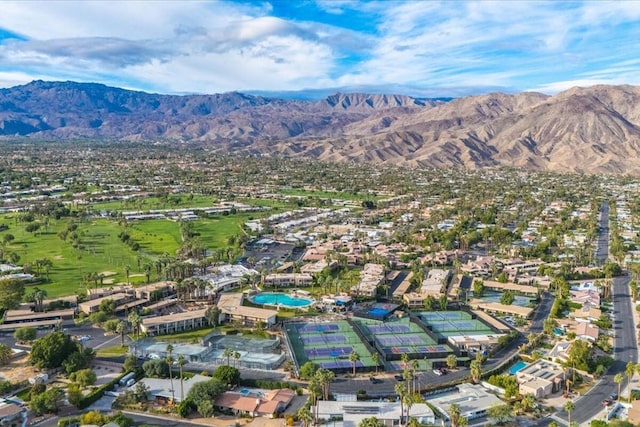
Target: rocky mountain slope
(592, 130)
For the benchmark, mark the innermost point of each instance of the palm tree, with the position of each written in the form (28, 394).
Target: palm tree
(170, 362)
(121, 329)
(181, 363)
(476, 371)
(569, 407)
(455, 417)
(371, 422)
(402, 396)
(414, 367)
(236, 358)
(405, 360)
(227, 353)
(304, 415)
(376, 360)
(324, 378)
(630, 369)
(135, 320)
(354, 358)
(618, 379)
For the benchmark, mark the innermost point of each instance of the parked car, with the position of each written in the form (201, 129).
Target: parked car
(398, 377)
(613, 396)
(374, 380)
(606, 402)
(437, 372)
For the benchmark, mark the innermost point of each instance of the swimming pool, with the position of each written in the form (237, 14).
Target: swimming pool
(518, 366)
(272, 298)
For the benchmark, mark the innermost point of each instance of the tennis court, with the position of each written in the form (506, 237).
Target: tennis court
(328, 344)
(393, 338)
(454, 323)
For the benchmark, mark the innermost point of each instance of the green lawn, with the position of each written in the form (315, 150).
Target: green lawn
(116, 351)
(156, 236)
(149, 203)
(100, 251)
(214, 233)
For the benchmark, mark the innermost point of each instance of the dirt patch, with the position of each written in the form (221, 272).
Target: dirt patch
(107, 281)
(108, 273)
(58, 257)
(18, 370)
(105, 373)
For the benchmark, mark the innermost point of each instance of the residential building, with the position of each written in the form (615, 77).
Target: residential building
(231, 309)
(11, 415)
(288, 279)
(473, 401)
(352, 412)
(174, 323)
(540, 378)
(93, 305)
(258, 404)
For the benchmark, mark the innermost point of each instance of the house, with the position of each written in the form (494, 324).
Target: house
(587, 331)
(586, 313)
(560, 352)
(585, 297)
(473, 401)
(540, 378)
(255, 403)
(10, 414)
(352, 412)
(160, 388)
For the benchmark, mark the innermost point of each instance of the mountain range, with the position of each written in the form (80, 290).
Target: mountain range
(590, 130)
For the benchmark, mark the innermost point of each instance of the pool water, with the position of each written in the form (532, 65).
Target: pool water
(518, 366)
(272, 298)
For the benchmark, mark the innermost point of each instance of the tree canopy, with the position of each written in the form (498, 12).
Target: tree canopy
(52, 350)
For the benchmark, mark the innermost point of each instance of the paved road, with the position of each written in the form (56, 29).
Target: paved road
(602, 241)
(625, 344)
(542, 313)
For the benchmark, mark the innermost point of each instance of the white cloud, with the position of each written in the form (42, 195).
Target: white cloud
(193, 46)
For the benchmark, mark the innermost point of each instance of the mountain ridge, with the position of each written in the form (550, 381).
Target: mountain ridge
(592, 130)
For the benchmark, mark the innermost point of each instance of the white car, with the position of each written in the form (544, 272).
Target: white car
(437, 372)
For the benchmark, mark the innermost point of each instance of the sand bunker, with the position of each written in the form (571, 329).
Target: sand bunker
(108, 273)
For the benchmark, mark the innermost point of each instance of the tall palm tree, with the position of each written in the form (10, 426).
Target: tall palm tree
(402, 396)
(304, 415)
(354, 358)
(170, 363)
(227, 353)
(455, 417)
(629, 370)
(476, 371)
(569, 407)
(414, 367)
(375, 356)
(325, 377)
(618, 379)
(135, 320)
(181, 363)
(121, 329)
(236, 358)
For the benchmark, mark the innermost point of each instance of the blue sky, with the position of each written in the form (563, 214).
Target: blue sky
(314, 48)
